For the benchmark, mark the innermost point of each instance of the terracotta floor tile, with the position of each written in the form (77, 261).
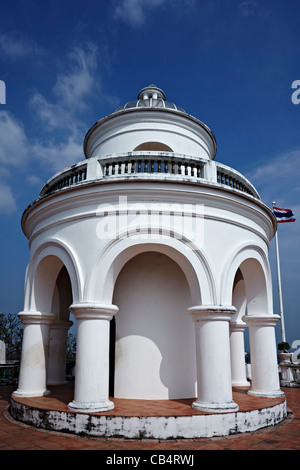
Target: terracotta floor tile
(13, 436)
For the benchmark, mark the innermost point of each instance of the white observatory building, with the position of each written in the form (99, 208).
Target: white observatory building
(161, 254)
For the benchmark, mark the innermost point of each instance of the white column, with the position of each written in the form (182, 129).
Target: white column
(92, 357)
(237, 353)
(35, 346)
(58, 352)
(263, 352)
(213, 358)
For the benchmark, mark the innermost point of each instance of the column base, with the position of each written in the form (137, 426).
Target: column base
(227, 407)
(57, 382)
(84, 407)
(240, 383)
(267, 394)
(33, 393)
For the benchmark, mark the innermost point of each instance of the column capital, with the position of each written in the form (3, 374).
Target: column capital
(61, 325)
(93, 311)
(211, 312)
(261, 320)
(35, 317)
(238, 326)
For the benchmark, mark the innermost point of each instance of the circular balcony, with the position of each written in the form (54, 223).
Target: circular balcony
(149, 165)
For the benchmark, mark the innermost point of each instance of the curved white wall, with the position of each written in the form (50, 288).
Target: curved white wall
(155, 338)
(128, 130)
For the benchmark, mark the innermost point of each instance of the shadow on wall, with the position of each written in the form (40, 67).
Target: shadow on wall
(155, 339)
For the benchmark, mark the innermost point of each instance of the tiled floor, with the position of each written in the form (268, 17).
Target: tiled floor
(17, 436)
(61, 395)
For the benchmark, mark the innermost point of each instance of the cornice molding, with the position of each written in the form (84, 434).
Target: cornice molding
(209, 194)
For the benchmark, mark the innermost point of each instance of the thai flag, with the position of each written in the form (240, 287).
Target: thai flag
(283, 215)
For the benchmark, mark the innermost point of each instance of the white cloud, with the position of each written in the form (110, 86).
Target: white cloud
(15, 45)
(58, 156)
(34, 180)
(74, 86)
(7, 201)
(247, 8)
(58, 143)
(60, 127)
(279, 178)
(46, 112)
(134, 12)
(72, 89)
(14, 143)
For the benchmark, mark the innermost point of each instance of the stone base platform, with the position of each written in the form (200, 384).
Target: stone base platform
(140, 419)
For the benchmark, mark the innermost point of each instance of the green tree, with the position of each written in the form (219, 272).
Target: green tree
(71, 347)
(11, 332)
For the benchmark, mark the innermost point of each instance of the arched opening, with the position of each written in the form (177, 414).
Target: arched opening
(250, 297)
(255, 286)
(45, 293)
(62, 295)
(239, 296)
(153, 146)
(154, 338)
(238, 346)
(53, 294)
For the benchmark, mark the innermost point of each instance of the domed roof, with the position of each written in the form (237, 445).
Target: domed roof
(150, 97)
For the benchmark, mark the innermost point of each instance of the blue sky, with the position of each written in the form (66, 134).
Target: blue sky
(230, 63)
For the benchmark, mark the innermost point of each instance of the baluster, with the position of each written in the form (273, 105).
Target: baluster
(173, 168)
(139, 166)
(146, 166)
(159, 166)
(126, 168)
(166, 167)
(132, 169)
(152, 167)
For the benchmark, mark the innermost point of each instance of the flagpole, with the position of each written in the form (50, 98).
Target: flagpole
(279, 286)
